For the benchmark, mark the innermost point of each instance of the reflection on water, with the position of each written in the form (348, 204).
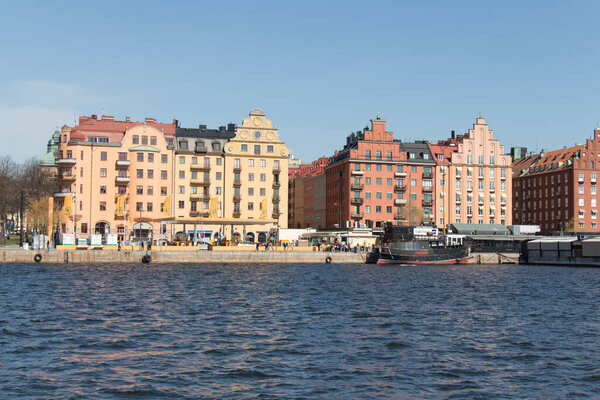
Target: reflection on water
(313, 331)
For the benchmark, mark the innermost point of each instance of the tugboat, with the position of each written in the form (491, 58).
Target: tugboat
(418, 245)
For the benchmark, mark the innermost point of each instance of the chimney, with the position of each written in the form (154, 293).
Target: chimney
(150, 120)
(221, 128)
(127, 119)
(94, 116)
(176, 123)
(108, 118)
(453, 134)
(231, 127)
(202, 128)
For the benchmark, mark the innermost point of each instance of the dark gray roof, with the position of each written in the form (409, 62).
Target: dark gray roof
(203, 133)
(479, 229)
(418, 148)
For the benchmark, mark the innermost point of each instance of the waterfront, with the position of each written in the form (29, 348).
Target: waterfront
(302, 331)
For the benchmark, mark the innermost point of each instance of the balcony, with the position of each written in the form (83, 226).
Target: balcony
(276, 214)
(200, 182)
(399, 217)
(427, 203)
(492, 190)
(356, 216)
(504, 177)
(237, 168)
(356, 186)
(580, 179)
(276, 170)
(122, 163)
(194, 213)
(66, 161)
(199, 197)
(480, 201)
(427, 189)
(237, 198)
(276, 185)
(399, 202)
(200, 167)
(399, 188)
(122, 179)
(237, 183)
(237, 213)
(357, 172)
(67, 178)
(427, 175)
(275, 199)
(399, 174)
(593, 180)
(357, 201)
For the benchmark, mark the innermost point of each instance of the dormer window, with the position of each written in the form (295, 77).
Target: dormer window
(183, 145)
(216, 146)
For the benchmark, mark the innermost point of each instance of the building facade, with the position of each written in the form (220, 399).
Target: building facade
(114, 177)
(231, 183)
(474, 178)
(558, 189)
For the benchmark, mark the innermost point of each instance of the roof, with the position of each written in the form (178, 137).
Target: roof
(547, 162)
(479, 229)
(418, 148)
(205, 133)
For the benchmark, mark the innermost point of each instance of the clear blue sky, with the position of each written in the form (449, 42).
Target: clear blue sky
(319, 69)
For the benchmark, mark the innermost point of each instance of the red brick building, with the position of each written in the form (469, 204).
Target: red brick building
(558, 189)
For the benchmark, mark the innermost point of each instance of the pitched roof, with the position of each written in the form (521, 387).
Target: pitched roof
(546, 162)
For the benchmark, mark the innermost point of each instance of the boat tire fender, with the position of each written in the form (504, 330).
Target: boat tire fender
(328, 260)
(146, 259)
(37, 258)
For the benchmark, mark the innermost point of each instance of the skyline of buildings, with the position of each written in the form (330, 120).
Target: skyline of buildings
(147, 179)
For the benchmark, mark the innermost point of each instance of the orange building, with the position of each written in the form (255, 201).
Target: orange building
(115, 177)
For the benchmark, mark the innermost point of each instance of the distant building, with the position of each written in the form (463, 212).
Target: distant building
(558, 189)
(474, 178)
(518, 152)
(48, 160)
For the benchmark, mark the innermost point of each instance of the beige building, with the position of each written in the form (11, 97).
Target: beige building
(231, 183)
(114, 178)
(474, 180)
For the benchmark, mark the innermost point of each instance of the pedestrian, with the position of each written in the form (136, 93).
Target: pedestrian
(257, 244)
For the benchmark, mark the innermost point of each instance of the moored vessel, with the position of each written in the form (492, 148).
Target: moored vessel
(418, 245)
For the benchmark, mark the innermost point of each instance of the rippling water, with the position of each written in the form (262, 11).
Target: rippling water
(298, 331)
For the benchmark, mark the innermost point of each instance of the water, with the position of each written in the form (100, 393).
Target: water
(298, 331)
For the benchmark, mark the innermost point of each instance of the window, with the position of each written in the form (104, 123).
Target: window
(378, 209)
(580, 189)
(84, 228)
(250, 191)
(262, 191)
(368, 155)
(181, 204)
(263, 163)
(263, 177)
(270, 148)
(389, 168)
(163, 175)
(244, 148)
(480, 159)
(378, 195)
(378, 167)
(163, 190)
(136, 139)
(150, 190)
(413, 182)
(150, 157)
(469, 159)
(149, 207)
(581, 202)
(144, 139)
(216, 146)
(139, 173)
(388, 209)
(139, 189)
(250, 206)
(367, 195)
(103, 156)
(140, 157)
(102, 206)
(389, 181)
(413, 169)
(217, 192)
(251, 177)
(440, 157)
(102, 189)
(150, 174)
(219, 161)
(163, 158)
(388, 195)
(367, 181)
(389, 155)
(367, 167)
(378, 154)
(181, 159)
(367, 209)
(103, 172)
(153, 140)
(492, 160)
(457, 184)
(257, 149)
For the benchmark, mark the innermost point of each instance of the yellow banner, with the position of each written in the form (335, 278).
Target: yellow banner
(167, 206)
(263, 209)
(68, 206)
(119, 211)
(212, 207)
(50, 215)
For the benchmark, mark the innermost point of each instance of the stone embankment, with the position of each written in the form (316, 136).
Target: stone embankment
(203, 256)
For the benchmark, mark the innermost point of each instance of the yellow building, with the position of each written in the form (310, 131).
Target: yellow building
(230, 183)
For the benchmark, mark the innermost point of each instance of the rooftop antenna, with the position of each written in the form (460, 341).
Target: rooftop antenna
(103, 112)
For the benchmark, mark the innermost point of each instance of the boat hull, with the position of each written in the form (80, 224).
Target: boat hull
(392, 261)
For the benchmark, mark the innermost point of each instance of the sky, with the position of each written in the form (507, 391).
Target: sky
(320, 70)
